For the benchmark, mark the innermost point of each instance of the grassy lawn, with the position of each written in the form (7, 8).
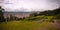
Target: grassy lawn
(26, 25)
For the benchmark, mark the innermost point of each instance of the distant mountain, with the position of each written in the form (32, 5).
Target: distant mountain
(18, 14)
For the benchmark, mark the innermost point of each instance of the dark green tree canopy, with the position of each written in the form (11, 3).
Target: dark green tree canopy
(1, 15)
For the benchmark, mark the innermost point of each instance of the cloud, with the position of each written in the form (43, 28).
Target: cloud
(30, 4)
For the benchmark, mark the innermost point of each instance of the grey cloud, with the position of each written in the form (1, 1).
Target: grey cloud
(33, 4)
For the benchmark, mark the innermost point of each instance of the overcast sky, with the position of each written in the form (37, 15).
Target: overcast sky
(29, 5)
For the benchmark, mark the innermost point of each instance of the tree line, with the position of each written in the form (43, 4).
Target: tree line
(55, 12)
(8, 18)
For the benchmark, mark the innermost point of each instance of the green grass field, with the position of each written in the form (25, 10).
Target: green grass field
(26, 25)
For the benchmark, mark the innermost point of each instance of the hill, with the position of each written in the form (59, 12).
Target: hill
(51, 12)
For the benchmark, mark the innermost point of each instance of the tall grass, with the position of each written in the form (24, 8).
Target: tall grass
(25, 25)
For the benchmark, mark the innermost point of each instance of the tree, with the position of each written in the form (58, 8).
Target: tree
(11, 17)
(34, 14)
(1, 15)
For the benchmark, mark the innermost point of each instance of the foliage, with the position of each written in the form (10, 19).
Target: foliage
(34, 14)
(1, 15)
(51, 12)
(57, 16)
